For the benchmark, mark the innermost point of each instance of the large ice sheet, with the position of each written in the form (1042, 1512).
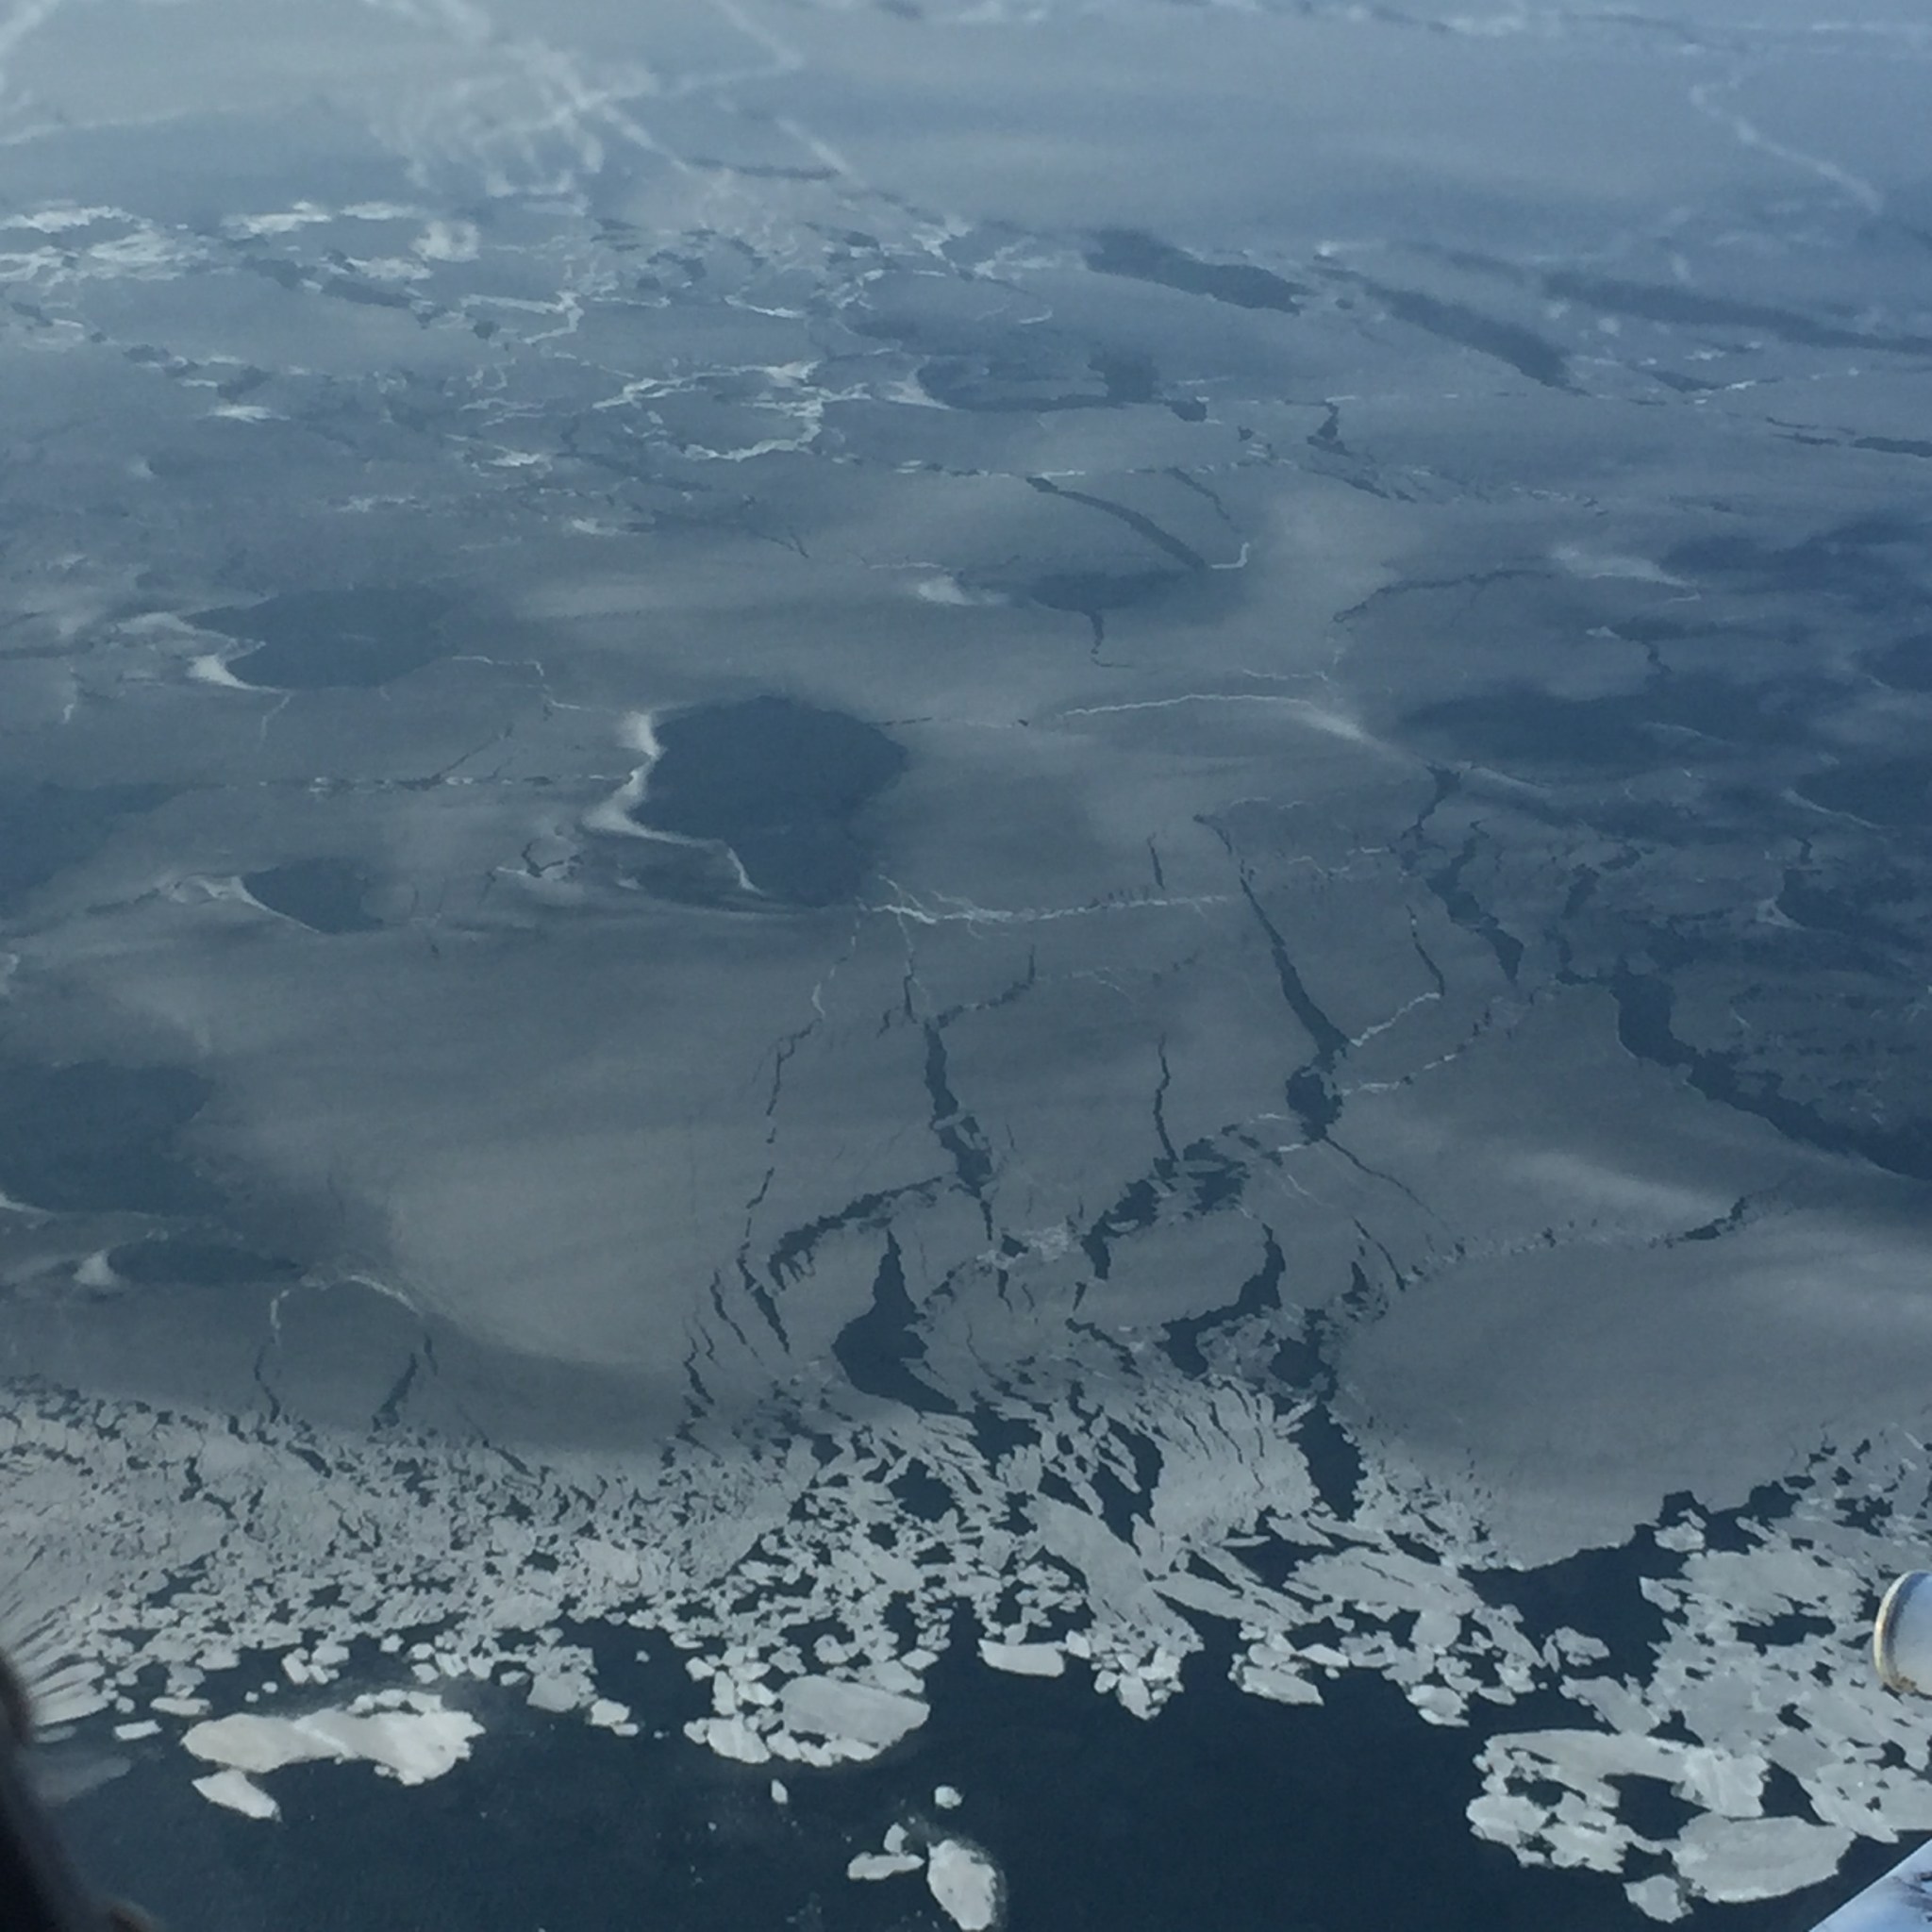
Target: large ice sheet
(782, 861)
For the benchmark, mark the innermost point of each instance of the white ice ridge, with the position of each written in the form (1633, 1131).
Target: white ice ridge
(797, 1588)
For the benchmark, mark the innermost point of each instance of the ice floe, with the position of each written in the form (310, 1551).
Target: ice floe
(838, 1711)
(421, 1741)
(876, 1865)
(235, 1790)
(1023, 1659)
(966, 1884)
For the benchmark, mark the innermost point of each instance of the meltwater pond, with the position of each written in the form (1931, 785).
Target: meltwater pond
(965, 963)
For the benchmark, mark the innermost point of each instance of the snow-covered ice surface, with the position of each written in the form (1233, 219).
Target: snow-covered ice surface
(1085, 840)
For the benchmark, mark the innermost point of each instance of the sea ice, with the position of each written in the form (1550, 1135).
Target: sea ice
(414, 1745)
(1733, 1860)
(1023, 1659)
(730, 1737)
(966, 1883)
(831, 1709)
(882, 1864)
(237, 1792)
(1658, 1897)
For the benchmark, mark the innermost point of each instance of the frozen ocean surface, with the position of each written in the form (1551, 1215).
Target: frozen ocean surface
(965, 962)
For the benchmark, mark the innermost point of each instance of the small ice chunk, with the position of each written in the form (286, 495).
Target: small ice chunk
(238, 1792)
(883, 1865)
(1658, 1897)
(1437, 1702)
(966, 1883)
(1023, 1659)
(179, 1706)
(607, 1713)
(896, 1839)
(830, 1707)
(556, 1691)
(1278, 1685)
(947, 1798)
(779, 1795)
(146, 1728)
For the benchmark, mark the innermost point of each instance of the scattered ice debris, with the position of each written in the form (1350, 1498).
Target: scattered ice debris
(237, 1792)
(412, 1745)
(1721, 1708)
(966, 1883)
(1023, 1659)
(947, 1798)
